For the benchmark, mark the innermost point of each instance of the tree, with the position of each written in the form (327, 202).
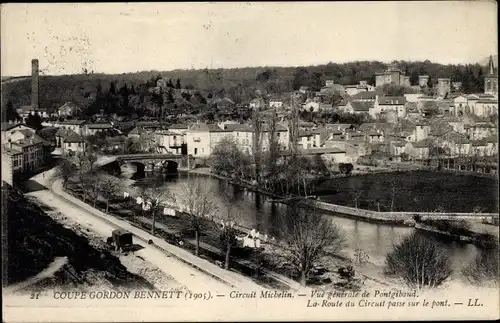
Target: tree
(229, 231)
(393, 194)
(91, 158)
(356, 195)
(419, 262)
(257, 142)
(110, 186)
(83, 168)
(346, 169)
(155, 196)
(178, 84)
(227, 157)
(306, 238)
(91, 186)
(301, 78)
(395, 90)
(200, 206)
(10, 113)
(66, 170)
(34, 121)
(272, 156)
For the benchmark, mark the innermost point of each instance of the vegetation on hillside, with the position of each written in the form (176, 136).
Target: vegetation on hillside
(34, 240)
(129, 93)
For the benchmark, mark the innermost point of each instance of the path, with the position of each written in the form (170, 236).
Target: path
(243, 262)
(54, 266)
(180, 271)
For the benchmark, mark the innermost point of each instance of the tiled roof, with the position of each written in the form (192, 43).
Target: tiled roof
(69, 105)
(315, 151)
(11, 151)
(72, 122)
(31, 139)
(472, 97)
(73, 137)
(412, 106)
(279, 128)
(361, 106)
(479, 142)
(25, 108)
(398, 143)
(178, 126)
(492, 139)
(425, 143)
(99, 126)
(206, 127)
(325, 106)
(8, 126)
(338, 126)
(487, 101)
(391, 100)
(239, 127)
(366, 95)
(357, 134)
(334, 87)
(136, 131)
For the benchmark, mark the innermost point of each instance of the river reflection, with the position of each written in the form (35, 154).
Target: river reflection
(256, 211)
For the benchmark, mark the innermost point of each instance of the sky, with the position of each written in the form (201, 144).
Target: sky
(121, 37)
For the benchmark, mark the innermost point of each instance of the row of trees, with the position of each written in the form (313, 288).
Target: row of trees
(305, 236)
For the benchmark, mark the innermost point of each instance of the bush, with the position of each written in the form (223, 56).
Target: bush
(346, 169)
(483, 270)
(419, 262)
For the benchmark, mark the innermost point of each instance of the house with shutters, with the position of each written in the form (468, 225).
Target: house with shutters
(384, 104)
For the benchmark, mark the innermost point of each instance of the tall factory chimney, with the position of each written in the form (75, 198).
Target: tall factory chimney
(34, 84)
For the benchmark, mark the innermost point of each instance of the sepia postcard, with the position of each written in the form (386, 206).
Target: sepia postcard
(249, 161)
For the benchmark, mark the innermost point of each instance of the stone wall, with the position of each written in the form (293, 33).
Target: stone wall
(405, 217)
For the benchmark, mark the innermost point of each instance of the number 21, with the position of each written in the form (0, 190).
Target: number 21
(34, 295)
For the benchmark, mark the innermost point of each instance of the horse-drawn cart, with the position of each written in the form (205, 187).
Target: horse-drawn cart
(121, 239)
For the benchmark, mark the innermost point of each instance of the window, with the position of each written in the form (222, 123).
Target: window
(196, 151)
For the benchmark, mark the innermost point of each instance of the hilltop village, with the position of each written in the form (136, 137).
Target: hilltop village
(413, 153)
(391, 123)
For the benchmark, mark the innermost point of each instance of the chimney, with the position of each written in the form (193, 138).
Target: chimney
(34, 84)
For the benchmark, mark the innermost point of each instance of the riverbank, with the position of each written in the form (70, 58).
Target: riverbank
(173, 231)
(404, 219)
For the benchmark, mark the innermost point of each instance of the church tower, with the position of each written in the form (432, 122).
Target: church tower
(491, 79)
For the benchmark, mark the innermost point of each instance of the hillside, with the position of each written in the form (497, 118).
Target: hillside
(35, 240)
(238, 84)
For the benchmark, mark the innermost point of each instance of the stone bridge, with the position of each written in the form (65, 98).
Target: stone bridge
(150, 161)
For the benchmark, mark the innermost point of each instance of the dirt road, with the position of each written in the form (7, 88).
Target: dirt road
(181, 272)
(57, 264)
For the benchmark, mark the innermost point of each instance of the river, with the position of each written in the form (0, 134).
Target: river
(256, 211)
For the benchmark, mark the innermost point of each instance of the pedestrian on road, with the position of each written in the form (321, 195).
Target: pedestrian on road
(43, 175)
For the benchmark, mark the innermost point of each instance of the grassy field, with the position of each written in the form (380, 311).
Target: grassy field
(414, 191)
